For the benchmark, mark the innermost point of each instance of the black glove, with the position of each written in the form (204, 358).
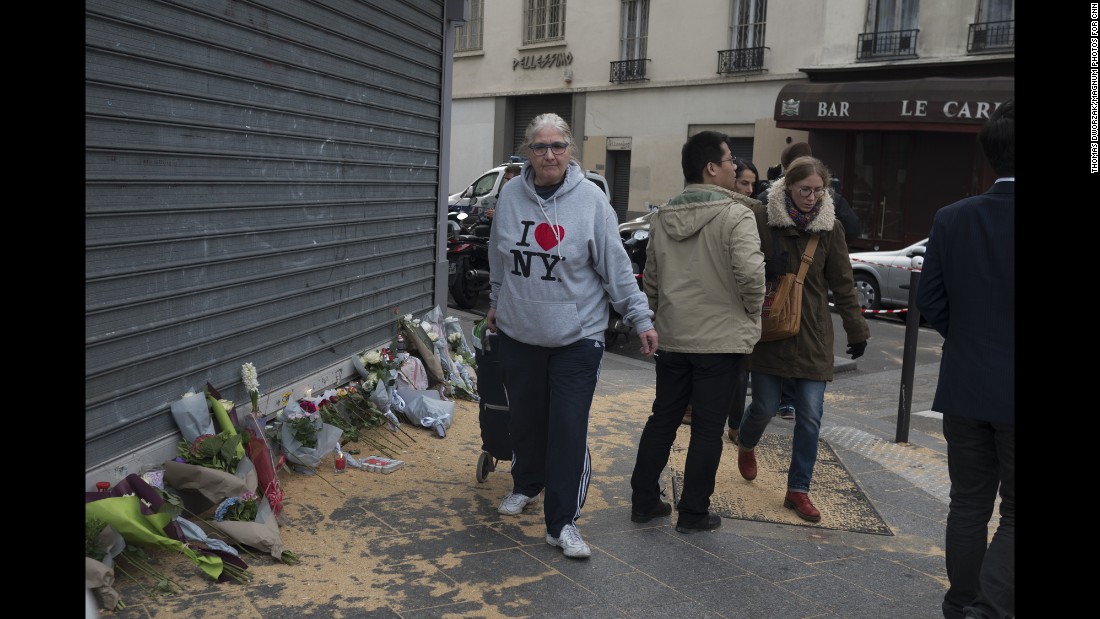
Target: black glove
(856, 350)
(774, 268)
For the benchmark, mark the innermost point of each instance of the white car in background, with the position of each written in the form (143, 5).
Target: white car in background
(483, 192)
(882, 277)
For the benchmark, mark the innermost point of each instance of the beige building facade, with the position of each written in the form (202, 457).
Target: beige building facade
(889, 93)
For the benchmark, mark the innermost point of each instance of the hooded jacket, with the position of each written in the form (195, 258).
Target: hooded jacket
(555, 264)
(809, 354)
(704, 272)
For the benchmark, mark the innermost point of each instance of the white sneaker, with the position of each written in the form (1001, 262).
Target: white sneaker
(514, 503)
(570, 541)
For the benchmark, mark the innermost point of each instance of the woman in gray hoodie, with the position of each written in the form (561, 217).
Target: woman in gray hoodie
(555, 261)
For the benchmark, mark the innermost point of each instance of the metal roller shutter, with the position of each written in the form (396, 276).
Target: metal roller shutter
(742, 148)
(262, 186)
(527, 108)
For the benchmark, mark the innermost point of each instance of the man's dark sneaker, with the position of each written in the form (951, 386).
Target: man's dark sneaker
(786, 412)
(711, 521)
(663, 509)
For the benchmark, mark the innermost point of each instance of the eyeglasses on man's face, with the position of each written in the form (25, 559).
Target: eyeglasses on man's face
(558, 148)
(732, 160)
(806, 191)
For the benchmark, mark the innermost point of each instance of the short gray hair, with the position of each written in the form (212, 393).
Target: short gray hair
(553, 121)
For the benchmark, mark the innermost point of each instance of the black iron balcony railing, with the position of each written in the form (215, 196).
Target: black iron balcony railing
(629, 70)
(993, 36)
(891, 44)
(741, 60)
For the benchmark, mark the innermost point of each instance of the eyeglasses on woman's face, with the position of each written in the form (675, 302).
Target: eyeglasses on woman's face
(806, 191)
(558, 148)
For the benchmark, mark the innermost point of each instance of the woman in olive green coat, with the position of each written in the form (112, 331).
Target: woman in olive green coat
(799, 205)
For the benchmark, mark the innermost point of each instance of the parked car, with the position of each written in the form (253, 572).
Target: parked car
(882, 277)
(486, 186)
(483, 192)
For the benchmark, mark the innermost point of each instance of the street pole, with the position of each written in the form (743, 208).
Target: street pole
(909, 354)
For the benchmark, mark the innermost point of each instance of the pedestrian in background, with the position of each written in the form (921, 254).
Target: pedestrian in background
(967, 292)
(704, 278)
(556, 261)
(747, 182)
(800, 206)
(747, 178)
(487, 214)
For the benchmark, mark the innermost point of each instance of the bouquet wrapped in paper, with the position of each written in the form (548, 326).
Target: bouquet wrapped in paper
(213, 485)
(217, 487)
(417, 336)
(139, 513)
(454, 384)
(261, 533)
(424, 406)
(378, 371)
(300, 444)
(452, 327)
(467, 372)
(99, 572)
(100, 579)
(192, 416)
(263, 458)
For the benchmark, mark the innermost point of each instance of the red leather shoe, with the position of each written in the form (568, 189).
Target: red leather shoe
(800, 503)
(746, 463)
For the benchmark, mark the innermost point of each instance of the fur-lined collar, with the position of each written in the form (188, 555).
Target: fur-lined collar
(777, 209)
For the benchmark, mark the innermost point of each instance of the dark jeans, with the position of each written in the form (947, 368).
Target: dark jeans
(741, 394)
(549, 397)
(981, 456)
(706, 381)
(787, 399)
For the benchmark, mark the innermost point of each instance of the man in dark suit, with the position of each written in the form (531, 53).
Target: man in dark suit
(967, 293)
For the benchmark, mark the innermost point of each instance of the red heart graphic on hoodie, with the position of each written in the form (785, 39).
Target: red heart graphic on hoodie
(544, 235)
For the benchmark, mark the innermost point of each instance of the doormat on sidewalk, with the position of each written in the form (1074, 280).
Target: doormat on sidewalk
(834, 492)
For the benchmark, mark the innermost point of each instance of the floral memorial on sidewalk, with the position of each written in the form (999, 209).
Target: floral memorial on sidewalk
(221, 498)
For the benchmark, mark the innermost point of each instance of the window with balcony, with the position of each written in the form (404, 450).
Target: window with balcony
(892, 30)
(746, 53)
(633, 34)
(994, 29)
(468, 35)
(543, 20)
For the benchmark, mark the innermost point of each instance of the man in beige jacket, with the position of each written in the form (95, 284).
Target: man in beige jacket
(704, 277)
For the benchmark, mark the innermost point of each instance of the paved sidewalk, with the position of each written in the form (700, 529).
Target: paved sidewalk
(446, 552)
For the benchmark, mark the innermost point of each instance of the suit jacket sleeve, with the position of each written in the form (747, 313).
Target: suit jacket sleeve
(931, 290)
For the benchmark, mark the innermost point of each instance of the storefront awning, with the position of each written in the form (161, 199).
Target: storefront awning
(929, 104)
